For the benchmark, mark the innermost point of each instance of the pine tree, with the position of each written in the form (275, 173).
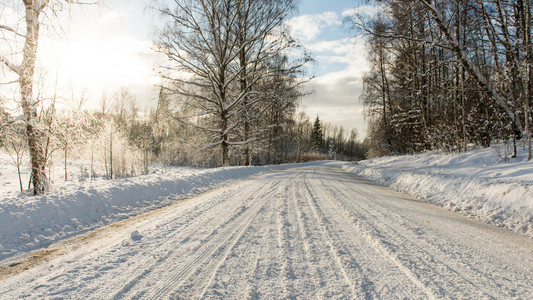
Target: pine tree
(317, 136)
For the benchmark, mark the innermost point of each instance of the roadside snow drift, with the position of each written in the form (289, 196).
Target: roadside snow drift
(475, 183)
(28, 222)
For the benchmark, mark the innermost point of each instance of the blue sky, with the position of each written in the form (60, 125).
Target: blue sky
(311, 7)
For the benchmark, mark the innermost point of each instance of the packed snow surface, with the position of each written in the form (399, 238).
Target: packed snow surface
(477, 183)
(308, 231)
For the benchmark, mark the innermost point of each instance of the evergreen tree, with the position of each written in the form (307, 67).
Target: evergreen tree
(317, 136)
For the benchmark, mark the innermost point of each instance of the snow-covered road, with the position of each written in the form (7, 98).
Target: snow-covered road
(305, 232)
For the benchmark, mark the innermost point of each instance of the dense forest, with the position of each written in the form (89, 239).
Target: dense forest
(445, 74)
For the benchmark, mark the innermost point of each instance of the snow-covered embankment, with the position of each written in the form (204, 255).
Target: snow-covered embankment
(29, 223)
(475, 183)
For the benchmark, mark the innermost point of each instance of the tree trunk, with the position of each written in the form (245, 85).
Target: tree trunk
(244, 87)
(463, 111)
(384, 93)
(111, 156)
(105, 160)
(525, 12)
(19, 154)
(92, 162)
(66, 155)
(38, 161)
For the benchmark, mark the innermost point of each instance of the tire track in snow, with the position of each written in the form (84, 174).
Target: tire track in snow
(162, 249)
(250, 287)
(318, 282)
(358, 291)
(377, 245)
(276, 199)
(429, 261)
(476, 245)
(99, 239)
(375, 276)
(274, 190)
(220, 238)
(319, 252)
(229, 249)
(422, 261)
(294, 246)
(283, 246)
(365, 262)
(339, 237)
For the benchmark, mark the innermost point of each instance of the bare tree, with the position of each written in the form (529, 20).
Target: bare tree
(517, 15)
(219, 51)
(200, 44)
(261, 38)
(34, 11)
(459, 72)
(15, 144)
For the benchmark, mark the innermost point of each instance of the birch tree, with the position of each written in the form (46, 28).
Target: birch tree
(22, 65)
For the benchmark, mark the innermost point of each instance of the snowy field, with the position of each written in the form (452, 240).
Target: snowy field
(477, 183)
(79, 205)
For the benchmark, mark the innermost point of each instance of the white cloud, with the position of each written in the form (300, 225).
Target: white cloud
(336, 97)
(336, 46)
(308, 27)
(350, 52)
(364, 11)
(337, 104)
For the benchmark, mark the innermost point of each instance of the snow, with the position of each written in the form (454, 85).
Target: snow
(135, 235)
(303, 231)
(80, 205)
(476, 183)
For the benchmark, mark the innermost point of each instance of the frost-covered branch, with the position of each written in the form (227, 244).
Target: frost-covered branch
(11, 66)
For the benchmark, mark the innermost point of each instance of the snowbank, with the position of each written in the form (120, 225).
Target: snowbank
(475, 183)
(28, 223)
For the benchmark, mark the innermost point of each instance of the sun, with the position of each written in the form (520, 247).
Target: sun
(99, 63)
(98, 57)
